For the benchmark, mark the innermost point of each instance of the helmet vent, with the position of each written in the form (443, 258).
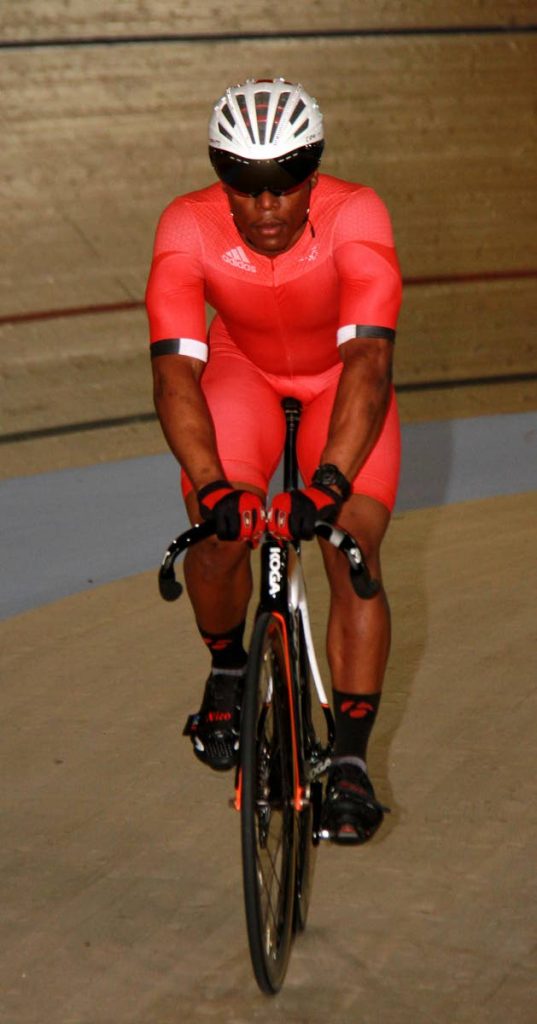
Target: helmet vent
(228, 115)
(302, 128)
(282, 103)
(241, 100)
(262, 100)
(297, 111)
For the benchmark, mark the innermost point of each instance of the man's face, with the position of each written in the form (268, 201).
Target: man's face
(271, 224)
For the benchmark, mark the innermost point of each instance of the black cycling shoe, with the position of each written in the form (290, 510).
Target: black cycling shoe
(214, 729)
(351, 813)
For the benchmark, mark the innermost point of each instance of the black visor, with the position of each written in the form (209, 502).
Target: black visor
(255, 176)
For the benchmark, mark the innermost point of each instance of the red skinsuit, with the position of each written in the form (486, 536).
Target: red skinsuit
(278, 322)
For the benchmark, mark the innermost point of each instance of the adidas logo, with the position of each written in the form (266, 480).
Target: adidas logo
(238, 258)
(312, 255)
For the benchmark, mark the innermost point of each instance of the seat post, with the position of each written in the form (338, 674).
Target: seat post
(292, 409)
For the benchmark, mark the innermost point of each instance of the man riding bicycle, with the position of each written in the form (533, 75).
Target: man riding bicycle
(301, 270)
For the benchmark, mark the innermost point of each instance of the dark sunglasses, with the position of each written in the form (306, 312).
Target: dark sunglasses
(255, 193)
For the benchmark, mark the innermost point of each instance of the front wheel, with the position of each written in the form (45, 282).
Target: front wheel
(268, 817)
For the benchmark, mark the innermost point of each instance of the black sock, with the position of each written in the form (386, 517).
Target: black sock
(226, 649)
(355, 715)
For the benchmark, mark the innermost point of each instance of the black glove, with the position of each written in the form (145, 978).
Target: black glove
(238, 515)
(293, 514)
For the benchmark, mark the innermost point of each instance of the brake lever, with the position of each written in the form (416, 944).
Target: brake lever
(169, 587)
(363, 583)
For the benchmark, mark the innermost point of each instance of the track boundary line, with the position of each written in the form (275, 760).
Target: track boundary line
(109, 423)
(134, 304)
(72, 311)
(239, 37)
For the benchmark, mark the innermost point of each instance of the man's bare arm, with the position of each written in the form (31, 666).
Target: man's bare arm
(185, 418)
(361, 403)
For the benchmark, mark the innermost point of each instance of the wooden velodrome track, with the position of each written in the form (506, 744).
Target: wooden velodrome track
(121, 897)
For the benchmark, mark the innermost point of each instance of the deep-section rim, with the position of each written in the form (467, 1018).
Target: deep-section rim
(266, 726)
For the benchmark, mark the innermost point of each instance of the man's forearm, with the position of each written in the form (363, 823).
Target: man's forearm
(359, 410)
(186, 423)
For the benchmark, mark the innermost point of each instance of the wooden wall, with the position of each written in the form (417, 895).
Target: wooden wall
(97, 138)
(46, 19)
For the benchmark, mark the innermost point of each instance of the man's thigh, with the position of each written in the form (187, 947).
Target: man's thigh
(248, 419)
(379, 476)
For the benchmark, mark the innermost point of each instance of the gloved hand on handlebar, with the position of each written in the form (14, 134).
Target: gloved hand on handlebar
(238, 515)
(293, 514)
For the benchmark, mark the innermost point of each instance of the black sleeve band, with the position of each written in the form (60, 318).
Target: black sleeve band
(166, 347)
(370, 331)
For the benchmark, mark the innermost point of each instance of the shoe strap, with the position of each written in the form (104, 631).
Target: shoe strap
(350, 759)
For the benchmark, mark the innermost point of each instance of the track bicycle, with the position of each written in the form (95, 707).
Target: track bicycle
(282, 757)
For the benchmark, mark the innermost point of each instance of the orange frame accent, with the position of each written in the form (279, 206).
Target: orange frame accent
(298, 789)
(237, 802)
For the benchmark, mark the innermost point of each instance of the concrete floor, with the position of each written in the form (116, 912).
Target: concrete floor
(121, 874)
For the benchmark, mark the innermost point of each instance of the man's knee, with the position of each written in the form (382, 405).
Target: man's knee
(214, 559)
(367, 521)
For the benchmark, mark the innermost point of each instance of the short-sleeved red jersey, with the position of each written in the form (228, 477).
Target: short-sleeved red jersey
(286, 313)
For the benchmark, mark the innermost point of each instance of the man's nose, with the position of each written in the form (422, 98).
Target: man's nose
(267, 200)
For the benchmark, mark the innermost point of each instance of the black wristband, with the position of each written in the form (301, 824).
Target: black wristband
(216, 485)
(328, 475)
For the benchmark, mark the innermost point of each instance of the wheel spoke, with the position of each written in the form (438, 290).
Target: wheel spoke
(271, 860)
(268, 894)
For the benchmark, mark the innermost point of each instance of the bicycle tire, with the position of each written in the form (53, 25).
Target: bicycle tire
(268, 816)
(306, 851)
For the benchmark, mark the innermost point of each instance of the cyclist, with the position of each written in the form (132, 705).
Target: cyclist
(301, 270)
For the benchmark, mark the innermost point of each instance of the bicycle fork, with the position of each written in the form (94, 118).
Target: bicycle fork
(284, 596)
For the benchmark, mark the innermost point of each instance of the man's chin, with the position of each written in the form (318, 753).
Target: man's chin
(270, 245)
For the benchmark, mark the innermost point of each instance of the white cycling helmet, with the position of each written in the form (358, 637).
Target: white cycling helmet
(265, 134)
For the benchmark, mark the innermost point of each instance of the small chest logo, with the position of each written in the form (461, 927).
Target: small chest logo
(238, 258)
(311, 256)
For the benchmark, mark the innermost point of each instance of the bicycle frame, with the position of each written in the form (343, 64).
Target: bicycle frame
(283, 594)
(297, 601)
